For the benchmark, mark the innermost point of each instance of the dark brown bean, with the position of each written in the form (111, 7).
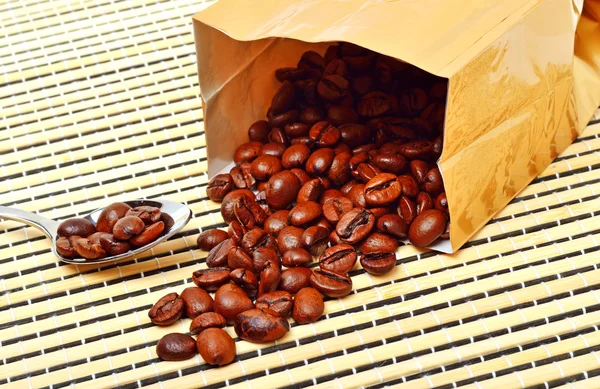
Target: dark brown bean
(65, 247)
(331, 284)
(196, 301)
(427, 227)
(311, 115)
(310, 191)
(290, 237)
(390, 162)
(279, 301)
(313, 63)
(283, 100)
(338, 206)
(380, 211)
(355, 225)
(362, 85)
(246, 152)
(409, 185)
(269, 277)
(338, 259)
(336, 66)
(277, 122)
(282, 189)
(424, 202)
(230, 301)
(229, 201)
(419, 170)
(260, 325)
(256, 238)
(265, 166)
(433, 182)
(339, 171)
(365, 172)
(208, 239)
(412, 101)
(149, 215)
(407, 209)
(109, 216)
(273, 149)
(324, 134)
(357, 195)
(302, 175)
(211, 279)
(217, 256)
(308, 306)
(354, 134)
(315, 239)
(76, 226)
(87, 249)
(205, 321)
(167, 310)
(245, 279)
(393, 225)
(295, 156)
(378, 263)
(294, 279)
(239, 179)
(296, 257)
(319, 161)
(441, 203)
(374, 104)
(236, 231)
(176, 347)
(261, 256)
(304, 213)
(341, 114)
(248, 212)
(333, 88)
(422, 150)
(258, 131)
(216, 346)
(383, 189)
(237, 258)
(276, 222)
(289, 74)
(148, 235)
(378, 242)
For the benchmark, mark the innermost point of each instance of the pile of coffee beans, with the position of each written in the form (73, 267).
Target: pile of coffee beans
(343, 170)
(119, 229)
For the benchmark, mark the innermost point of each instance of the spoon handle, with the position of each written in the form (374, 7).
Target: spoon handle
(48, 226)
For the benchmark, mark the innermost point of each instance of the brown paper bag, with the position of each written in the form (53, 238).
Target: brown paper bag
(524, 79)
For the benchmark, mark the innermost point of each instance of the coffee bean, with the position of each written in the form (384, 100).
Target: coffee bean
(236, 231)
(230, 301)
(427, 227)
(246, 152)
(248, 212)
(238, 178)
(338, 206)
(294, 279)
(355, 134)
(237, 258)
(308, 306)
(441, 203)
(357, 159)
(76, 226)
(410, 187)
(393, 225)
(374, 104)
(211, 279)
(65, 247)
(283, 100)
(422, 150)
(149, 215)
(289, 74)
(407, 209)
(304, 213)
(217, 256)
(196, 301)
(261, 256)
(265, 166)
(279, 301)
(378, 263)
(339, 171)
(311, 115)
(336, 66)
(290, 237)
(260, 325)
(424, 202)
(86, 249)
(331, 284)
(273, 149)
(341, 114)
(319, 161)
(338, 259)
(358, 63)
(295, 156)
(229, 202)
(109, 216)
(365, 172)
(419, 170)
(433, 182)
(324, 134)
(383, 189)
(216, 346)
(148, 235)
(279, 121)
(412, 101)
(127, 227)
(390, 162)
(269, 277)
(362, 85)
(366, 148)
(315, 239)
(210, 238)
(205, 321)
(310, 191)
(258, 131)
(302, 175)
(313, 63)
(246, 280)
(355, 225)
(282, 189)
(378, 242)
(256, 238)
(176, 347)
(333, 88)
(167, 310)
(110, 244)
(276, 222)
(296, 257)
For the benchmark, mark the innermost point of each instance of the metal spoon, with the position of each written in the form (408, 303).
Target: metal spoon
(179, 213)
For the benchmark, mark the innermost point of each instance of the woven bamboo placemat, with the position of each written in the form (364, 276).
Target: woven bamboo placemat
(99, 102)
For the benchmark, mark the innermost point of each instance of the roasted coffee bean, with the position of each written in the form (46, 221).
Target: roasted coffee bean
(365, 172)
(148, 235)
(315, 239)
(412, 101)
(311, 115)
(331, 284)
(338, 259)
(383, 189)
(324, 134)
(296, 257)
(296, 130)
(308, 306)
(269, 277)
(265, 166)
(390, 162)
(393, 225)
(333, 88)
(290, 237)
(261, 256)
(273, 149)
(279, 301)
(245, 279)
(87, 249)
(441, 203)
(355, 225)
(248, 212)
(127, 227)
(427, 227)
(167, 310)
(276, 135)
(237, 258)
(230, 301)
(362, 85)
(294, 279)
(256, 238)
(357, 159)
(236, 231)
(295, 156)
(282, 189)
(302, 175)
(76, 226)
(378, 263)
(422, 150)
(378, 242)
(217, 256)
(419, 170)
(196, 301)
(336, 66)
(283, 100)
(329, 195)
(279, 121)
(109, 243)
(339, 171)
(341, 148)
(410, 187)
(216, 346)
(331, 53)
(341, 114)
(261, 325)
(176, 347)
(354, 134)
(358, 63)
(319, 161)
(435, 113)
(208, 239)
(149, 215)
(374, 104)
(211, 279)
(276, 222)
(246, 152)
(334, 238)
(433, 182)
(205, 321)
(238, 178)
(338, 206)
(109, 216)
(407, 209)
(312, 63)
(311, 96)
(229, 201)
(347, 187)
(289, 74)
(304, 213)
(310, 191)
(357, 196)
(424, 202)
(380, 211)
(258, 131)
(65, 247)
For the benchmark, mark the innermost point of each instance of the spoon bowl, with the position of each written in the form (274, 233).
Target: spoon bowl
(174, 215)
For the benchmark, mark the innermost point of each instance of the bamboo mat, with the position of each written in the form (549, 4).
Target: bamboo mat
(99, 102)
